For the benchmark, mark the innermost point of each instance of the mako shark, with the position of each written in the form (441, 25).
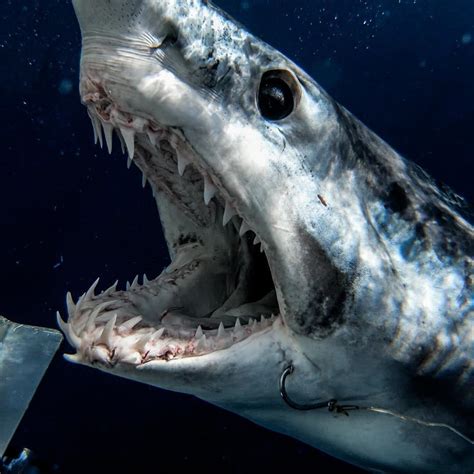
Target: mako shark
(320, 284)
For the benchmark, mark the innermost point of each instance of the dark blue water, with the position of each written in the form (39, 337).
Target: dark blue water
(70, 213)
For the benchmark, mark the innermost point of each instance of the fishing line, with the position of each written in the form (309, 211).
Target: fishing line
(333, 406)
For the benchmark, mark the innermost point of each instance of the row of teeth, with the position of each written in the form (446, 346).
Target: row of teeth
(100, 333)
(126, 130)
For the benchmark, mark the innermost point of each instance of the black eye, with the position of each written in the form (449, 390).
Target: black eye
(276, 96)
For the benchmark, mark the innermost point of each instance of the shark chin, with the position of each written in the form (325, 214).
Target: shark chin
(319, 285)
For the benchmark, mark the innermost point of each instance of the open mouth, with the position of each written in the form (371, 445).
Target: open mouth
(218, 289)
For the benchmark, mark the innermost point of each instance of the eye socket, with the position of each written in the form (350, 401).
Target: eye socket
(277, 95)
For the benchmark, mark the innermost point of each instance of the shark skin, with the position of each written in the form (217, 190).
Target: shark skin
(364, 282)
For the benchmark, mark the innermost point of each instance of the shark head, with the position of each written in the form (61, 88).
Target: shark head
(284, 218)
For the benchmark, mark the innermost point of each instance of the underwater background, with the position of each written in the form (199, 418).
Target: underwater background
(70, 212)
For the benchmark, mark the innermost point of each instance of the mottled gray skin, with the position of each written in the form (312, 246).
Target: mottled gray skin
(372, 262)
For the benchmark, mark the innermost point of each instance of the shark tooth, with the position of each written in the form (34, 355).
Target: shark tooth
(66, 328)
(257, 240)
(152, 136)
(228, 213)
(129, 137)
(90, 326)
(209, 190)
(90, 292)
(111, 289)
(144, 180)
(71, 307)
(199, 333)
(157, 334)
(244, 228)
(182, 162)
(221, 330)
(145, 279)
(99, 125)
(238, 330)
(127, 285)
(130, 324)
(140, 345)
(96, 136)
(134, 283)
(108, 132)
(97, 129)
(107, 334)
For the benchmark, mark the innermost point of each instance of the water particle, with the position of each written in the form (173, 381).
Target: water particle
(466, 38)
(65, 87)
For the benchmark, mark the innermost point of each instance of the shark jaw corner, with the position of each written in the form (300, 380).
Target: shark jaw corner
(297, 238)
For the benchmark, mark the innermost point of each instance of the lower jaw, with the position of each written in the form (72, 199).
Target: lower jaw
(104, 331)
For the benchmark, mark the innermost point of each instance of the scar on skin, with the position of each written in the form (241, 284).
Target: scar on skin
(323, 201)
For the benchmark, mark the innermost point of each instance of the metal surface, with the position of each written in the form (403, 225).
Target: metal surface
(25, 354)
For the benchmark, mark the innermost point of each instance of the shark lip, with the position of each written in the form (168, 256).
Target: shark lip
(149, 322)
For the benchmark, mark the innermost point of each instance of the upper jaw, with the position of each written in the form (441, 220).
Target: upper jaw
(142, 324)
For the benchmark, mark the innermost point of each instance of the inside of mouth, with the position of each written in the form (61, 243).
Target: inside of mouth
(218, 289)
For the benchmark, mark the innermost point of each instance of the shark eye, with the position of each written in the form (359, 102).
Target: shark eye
(277, 94)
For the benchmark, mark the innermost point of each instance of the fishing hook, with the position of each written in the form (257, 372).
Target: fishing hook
(332, 405)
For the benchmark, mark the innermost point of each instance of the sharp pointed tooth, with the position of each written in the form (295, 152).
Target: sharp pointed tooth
(145, 280)
(209, 190)
(66, 328)
(157, 334)
(141, 343)
(80, 301)
(99, 132)
(129, 137)
(90, 292)
(127, 286)
(261, 247)
(244, 228)
(107, 334)
(182, 162)
(71, 307)
(228, 213)
(122, 141)
(238, 331)
(90, 326)
(94, 128)
(111, 289)
(134, 283)
(143, 180)
(199, 333)
(151, 136)
(257, 240)
(221, 330)
(129, 162)
(130, 324)
(108, 132)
